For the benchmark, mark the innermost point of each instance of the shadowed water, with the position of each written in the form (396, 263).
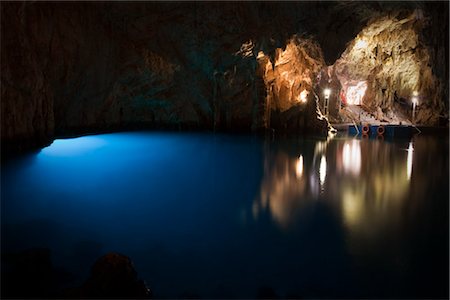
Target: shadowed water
(240, 217)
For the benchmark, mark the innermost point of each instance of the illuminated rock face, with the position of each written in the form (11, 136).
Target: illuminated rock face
(71, 68)
(388, 61)
(291, 78)
(289, 83)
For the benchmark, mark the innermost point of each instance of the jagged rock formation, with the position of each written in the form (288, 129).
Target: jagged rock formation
(386, 62)
(71, 68)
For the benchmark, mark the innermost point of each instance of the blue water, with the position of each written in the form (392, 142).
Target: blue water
(232, 216)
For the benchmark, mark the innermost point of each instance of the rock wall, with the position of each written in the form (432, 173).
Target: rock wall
(389, 63)
(27, 118)
(71, 68)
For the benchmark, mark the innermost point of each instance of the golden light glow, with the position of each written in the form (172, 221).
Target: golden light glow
(415, 93)
(356, 93)
(351, 157)
(360, 44)
(352, 206)
(303, 96)
(299, 167)
(409, 161)
(322, 169)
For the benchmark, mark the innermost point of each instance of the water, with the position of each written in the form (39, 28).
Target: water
(237, 217)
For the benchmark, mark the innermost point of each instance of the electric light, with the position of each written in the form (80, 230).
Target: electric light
(360, 44)
(415, 100)
(303, 96)
(355, 93)
(327, 93)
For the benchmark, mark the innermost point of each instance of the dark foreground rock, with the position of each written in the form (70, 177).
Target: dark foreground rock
(113, 276)
(30, 274)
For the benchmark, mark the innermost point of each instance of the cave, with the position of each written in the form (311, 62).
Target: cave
(248, 149)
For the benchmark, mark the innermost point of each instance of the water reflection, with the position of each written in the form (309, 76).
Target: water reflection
(409, 161)
(299, 167)
(323, 170)
(365, 181)
(351, 157)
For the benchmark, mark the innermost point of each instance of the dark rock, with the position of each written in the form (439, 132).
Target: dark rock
(113, 276)
(266, 292)
(28, 274)
(77, 67)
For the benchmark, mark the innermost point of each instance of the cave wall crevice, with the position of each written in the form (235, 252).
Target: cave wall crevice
(76, 67)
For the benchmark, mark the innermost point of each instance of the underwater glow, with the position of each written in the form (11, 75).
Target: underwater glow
(161, 197)
(74, 146)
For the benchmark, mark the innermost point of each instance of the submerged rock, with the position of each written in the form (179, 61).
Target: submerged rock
(28, 274)
(113, 276)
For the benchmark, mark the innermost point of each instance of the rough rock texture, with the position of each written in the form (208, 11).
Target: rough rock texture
(387, 62)
(113, 276)
(26, 96)
(70, 68)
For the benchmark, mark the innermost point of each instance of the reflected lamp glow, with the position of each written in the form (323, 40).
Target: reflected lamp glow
(351, 157)
(327, 93)
(299, 167)
(322, 169)
(409, 161)
(352, 206)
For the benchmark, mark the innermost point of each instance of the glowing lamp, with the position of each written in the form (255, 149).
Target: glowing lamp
(327, 93)
(360, 44)
(303, 96)
(415, 101)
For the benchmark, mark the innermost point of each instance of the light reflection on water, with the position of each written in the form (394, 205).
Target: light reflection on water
(365, 178)
(203, 213)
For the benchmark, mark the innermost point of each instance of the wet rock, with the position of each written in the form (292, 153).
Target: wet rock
(266, 292)
(388, 60)
(113, 276)
(28, 274)
(71, 68)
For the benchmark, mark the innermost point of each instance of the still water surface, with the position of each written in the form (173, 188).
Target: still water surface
(225, 216)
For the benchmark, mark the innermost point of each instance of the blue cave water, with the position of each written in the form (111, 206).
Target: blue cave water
(222, 216)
